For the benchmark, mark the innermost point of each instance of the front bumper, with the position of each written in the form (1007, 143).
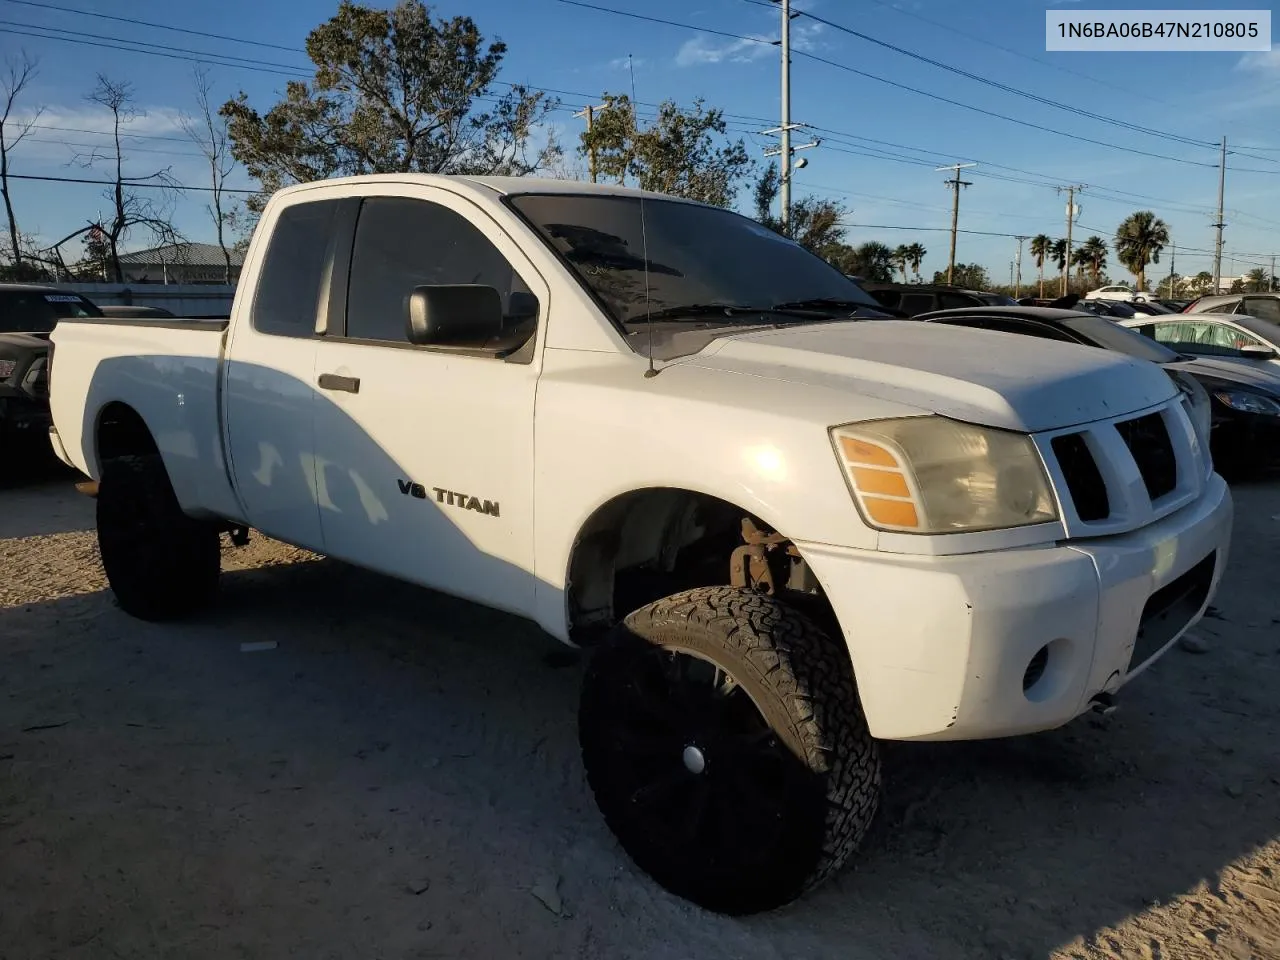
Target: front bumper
(943, 647)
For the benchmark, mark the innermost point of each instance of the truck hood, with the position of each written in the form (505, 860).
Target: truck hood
(993, 379)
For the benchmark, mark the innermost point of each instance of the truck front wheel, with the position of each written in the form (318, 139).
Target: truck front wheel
(161, 564)
(723, 739)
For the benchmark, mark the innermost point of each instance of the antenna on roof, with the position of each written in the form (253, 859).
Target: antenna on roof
(644, 235)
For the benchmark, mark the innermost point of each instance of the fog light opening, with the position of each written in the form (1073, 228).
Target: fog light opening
(1035, 669)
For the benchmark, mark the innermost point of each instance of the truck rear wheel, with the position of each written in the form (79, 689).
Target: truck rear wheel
(725, 745)
(161, 563)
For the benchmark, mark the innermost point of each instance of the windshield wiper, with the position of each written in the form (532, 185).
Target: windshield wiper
(823, 303)
(807, 309)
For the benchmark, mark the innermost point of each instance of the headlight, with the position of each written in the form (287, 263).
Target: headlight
(934, 475)
(6, 368)
(1250, 403)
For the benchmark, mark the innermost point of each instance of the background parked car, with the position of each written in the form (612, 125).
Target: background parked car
(28, 314)
(1264, 306)
(1238, 406)
(1239, 338)
(916, 298)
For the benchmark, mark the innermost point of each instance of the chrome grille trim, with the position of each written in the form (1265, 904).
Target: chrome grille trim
(1130, 506)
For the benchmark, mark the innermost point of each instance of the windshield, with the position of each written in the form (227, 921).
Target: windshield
(37, 311)
(697, 256)
(1107, 334)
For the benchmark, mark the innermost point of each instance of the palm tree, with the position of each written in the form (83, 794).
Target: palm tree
(901, 257)
(1257, 280)
(1041, 246)
(916, 253)
(1139, 240)
(1058, 254)
(1094, 252)
(874, 261)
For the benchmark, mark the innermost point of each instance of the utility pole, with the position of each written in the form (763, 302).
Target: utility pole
(1173, 261)
(589, 113)
(1217, 252)
(956, 183)
(1017, 285)
(784, 151)
(1071, 217)
(1271, 281)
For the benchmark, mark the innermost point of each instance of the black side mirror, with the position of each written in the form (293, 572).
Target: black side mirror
(454, 315)
(522, 306)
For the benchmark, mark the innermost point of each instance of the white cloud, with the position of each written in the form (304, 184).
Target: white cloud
(89, 120)
(704, 50)
(700, 50)
(1259, 61)
(622, 63)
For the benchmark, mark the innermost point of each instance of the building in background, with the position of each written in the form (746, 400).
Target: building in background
(180, 263)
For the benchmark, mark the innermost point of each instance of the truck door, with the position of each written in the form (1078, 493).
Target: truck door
(425, 457)
(269, 391)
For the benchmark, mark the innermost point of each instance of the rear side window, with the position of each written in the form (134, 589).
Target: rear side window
(293, 268)
(1264, 308)
(913, 304)
(37, 311)
(953, 301)
(887, 298)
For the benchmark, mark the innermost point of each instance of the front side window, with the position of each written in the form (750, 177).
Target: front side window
(401, 244)
(685, 255)
(289, 288)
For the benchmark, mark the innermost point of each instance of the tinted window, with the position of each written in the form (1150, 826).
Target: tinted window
(401, 244)
(1126, 340)
(913, 304)
(289, 284)
(36, 311)
(889, 298)
(681, 254)
(954, 301)
(1229, 307)
(1008, 325)
(1264, 308)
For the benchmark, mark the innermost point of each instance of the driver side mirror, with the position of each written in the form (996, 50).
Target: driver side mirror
(1255, 351)
(454, 315)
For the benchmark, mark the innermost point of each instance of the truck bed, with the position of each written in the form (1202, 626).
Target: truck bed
(167, 371)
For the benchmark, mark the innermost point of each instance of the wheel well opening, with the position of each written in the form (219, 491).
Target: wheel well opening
(122, 433)
(650, 544)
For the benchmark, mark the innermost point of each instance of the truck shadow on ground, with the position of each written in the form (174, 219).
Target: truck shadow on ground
(396, 739)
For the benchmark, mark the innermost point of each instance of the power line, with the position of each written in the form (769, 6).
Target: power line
(1004, 87)
(144, 23)
(895, 84)
(177, 188)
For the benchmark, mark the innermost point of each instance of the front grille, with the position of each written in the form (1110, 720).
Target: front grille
(1148, 441)
(1084, 481)
(1170, 608)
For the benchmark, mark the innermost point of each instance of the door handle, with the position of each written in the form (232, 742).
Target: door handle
(331, 381)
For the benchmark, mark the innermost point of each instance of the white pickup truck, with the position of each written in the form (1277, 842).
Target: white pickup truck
(788, 527)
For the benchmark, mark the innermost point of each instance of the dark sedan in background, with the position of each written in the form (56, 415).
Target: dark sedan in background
(1239, 405)
(28, 314)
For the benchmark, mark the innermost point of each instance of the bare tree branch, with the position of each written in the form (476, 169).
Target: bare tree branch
(152, 213)
(210, 132)
(18, 73)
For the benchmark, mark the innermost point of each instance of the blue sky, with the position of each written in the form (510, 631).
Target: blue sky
(1201, 96)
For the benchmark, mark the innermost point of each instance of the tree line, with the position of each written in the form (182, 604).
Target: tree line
(398, 90)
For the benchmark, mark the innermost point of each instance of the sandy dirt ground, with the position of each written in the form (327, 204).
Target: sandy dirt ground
(399, 778)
